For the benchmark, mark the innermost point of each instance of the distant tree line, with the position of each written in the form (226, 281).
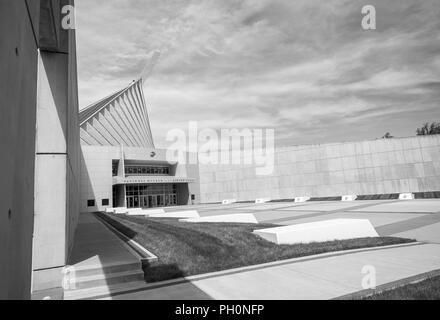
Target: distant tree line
(429, 128)
(426, 129)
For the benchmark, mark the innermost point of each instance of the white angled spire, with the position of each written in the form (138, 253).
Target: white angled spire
(119, 119)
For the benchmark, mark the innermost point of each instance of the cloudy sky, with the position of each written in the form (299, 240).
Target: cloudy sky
(305, 68)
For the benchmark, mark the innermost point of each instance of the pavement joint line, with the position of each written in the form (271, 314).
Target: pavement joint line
(390, 286)
(195, 278)
(303, 216)
(307, 203)
(318, 213)
(314, 214)
(302, 210)
(293, 206)
(354, 207)
(421, 222)
(397, 212)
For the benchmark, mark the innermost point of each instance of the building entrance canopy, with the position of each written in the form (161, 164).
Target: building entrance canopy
(149, 180)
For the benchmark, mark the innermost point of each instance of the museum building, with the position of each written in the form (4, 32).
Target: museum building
(121, 166)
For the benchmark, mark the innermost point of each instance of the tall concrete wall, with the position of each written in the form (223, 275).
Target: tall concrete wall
(73, 145)
(57, 151)
(19, 22)
(369, 167)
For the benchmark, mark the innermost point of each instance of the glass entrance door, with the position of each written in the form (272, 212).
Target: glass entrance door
(150, 196)
(173, 199)
(152, 202)
(130, 202)
(133, 202)
(143, 201)
(160, 200)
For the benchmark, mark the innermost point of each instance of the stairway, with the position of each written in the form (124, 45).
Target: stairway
(100, 261)
(87, 282)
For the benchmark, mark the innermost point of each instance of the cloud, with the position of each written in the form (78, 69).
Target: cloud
(305, 67)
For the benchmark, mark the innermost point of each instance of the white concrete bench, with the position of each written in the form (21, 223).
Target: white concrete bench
(148, 212)
(302, 199)
(235, 218)
(120, 210)
(406, 196)
(109, 210)
(229, 201)
(144, 212)
(328, 230)
(177, 214)
(350, 197)
(262, 200)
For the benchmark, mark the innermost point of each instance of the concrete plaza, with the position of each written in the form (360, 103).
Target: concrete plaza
(319, 277)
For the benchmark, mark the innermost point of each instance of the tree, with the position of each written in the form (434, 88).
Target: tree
(387, 136)
(429, 128)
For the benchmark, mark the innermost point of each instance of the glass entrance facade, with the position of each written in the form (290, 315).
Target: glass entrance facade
(151, 195)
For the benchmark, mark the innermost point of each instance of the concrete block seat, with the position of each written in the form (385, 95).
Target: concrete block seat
(177, 214)
(146, 212)
(406, 196)
(350, 197)
(262, 200)
(234, 218)
(328, 230)
(302, 199)
(119, 210)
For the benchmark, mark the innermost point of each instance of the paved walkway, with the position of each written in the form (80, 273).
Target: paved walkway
(324, 278)
(96, 246)
(327, 277)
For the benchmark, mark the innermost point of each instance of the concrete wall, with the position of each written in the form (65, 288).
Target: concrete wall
(73, 165)
(96, 176)
(369, 167)
(18, 91)
(57, 160)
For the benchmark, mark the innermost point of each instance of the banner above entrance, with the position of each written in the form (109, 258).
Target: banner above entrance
(149, 179)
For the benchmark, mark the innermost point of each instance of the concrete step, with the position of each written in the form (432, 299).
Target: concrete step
(107, 269)
(106, 279)
(103, 291)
